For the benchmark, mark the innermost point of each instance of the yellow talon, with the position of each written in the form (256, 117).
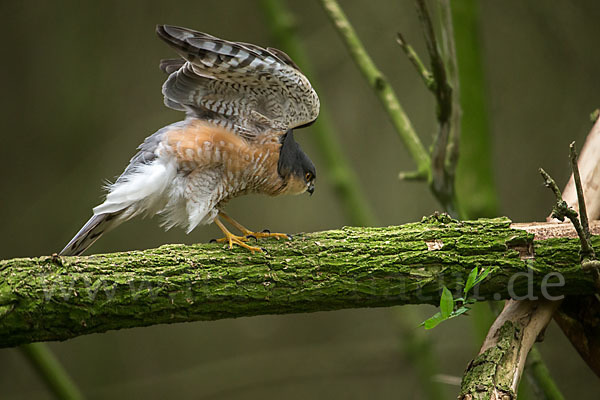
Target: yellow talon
(240, 240)
(231, 238)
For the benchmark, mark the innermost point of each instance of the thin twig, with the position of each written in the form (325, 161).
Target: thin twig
(588, 255)
(412, 176)
(379, 83)
(413, 57)
(579, 190)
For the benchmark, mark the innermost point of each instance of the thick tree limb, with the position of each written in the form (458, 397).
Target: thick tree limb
(54, 298)
(496, 372)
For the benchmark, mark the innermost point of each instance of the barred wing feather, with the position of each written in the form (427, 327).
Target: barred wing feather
(240, 86)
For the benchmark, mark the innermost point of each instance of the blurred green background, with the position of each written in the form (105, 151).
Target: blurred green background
(81, 89)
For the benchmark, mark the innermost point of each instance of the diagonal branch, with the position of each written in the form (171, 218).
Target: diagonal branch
(381, 86)
(496, 372)
(415, 60)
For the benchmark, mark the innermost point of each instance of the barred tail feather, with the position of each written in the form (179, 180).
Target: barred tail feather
(139, 190)
(91, 231)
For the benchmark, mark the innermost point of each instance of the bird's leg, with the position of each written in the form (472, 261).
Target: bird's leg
(231, 238)
(248, 233)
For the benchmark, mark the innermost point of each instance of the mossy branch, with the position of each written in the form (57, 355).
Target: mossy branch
(57, 298)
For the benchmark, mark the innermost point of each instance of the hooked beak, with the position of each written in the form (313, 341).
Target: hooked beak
(311, 188)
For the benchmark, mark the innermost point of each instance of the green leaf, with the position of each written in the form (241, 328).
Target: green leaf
(460, 311)
(446, 303)
(470, 281)
(483, 275)
(432, 322)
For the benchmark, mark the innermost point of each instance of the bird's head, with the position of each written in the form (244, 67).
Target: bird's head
(296, 169)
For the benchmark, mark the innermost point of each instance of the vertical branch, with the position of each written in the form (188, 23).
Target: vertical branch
(347, 189)
(579, 190)
(475, 183)
(441, 168)
(451, 63)
(49, 368)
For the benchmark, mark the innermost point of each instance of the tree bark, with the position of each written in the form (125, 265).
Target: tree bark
(57, 298)
(496, 372)
(579, 317)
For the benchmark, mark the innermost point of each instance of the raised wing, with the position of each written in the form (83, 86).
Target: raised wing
(243, 87)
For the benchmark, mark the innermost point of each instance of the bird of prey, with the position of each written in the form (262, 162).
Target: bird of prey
(242, 103)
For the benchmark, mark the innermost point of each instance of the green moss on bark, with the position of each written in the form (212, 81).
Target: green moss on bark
(52, 298)
(486, 374)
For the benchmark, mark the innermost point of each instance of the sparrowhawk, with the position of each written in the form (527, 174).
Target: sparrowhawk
(242, 103)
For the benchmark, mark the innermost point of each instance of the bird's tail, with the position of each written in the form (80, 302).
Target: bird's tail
(91, 231)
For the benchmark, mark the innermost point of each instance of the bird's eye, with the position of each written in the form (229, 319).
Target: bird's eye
(308, 176)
